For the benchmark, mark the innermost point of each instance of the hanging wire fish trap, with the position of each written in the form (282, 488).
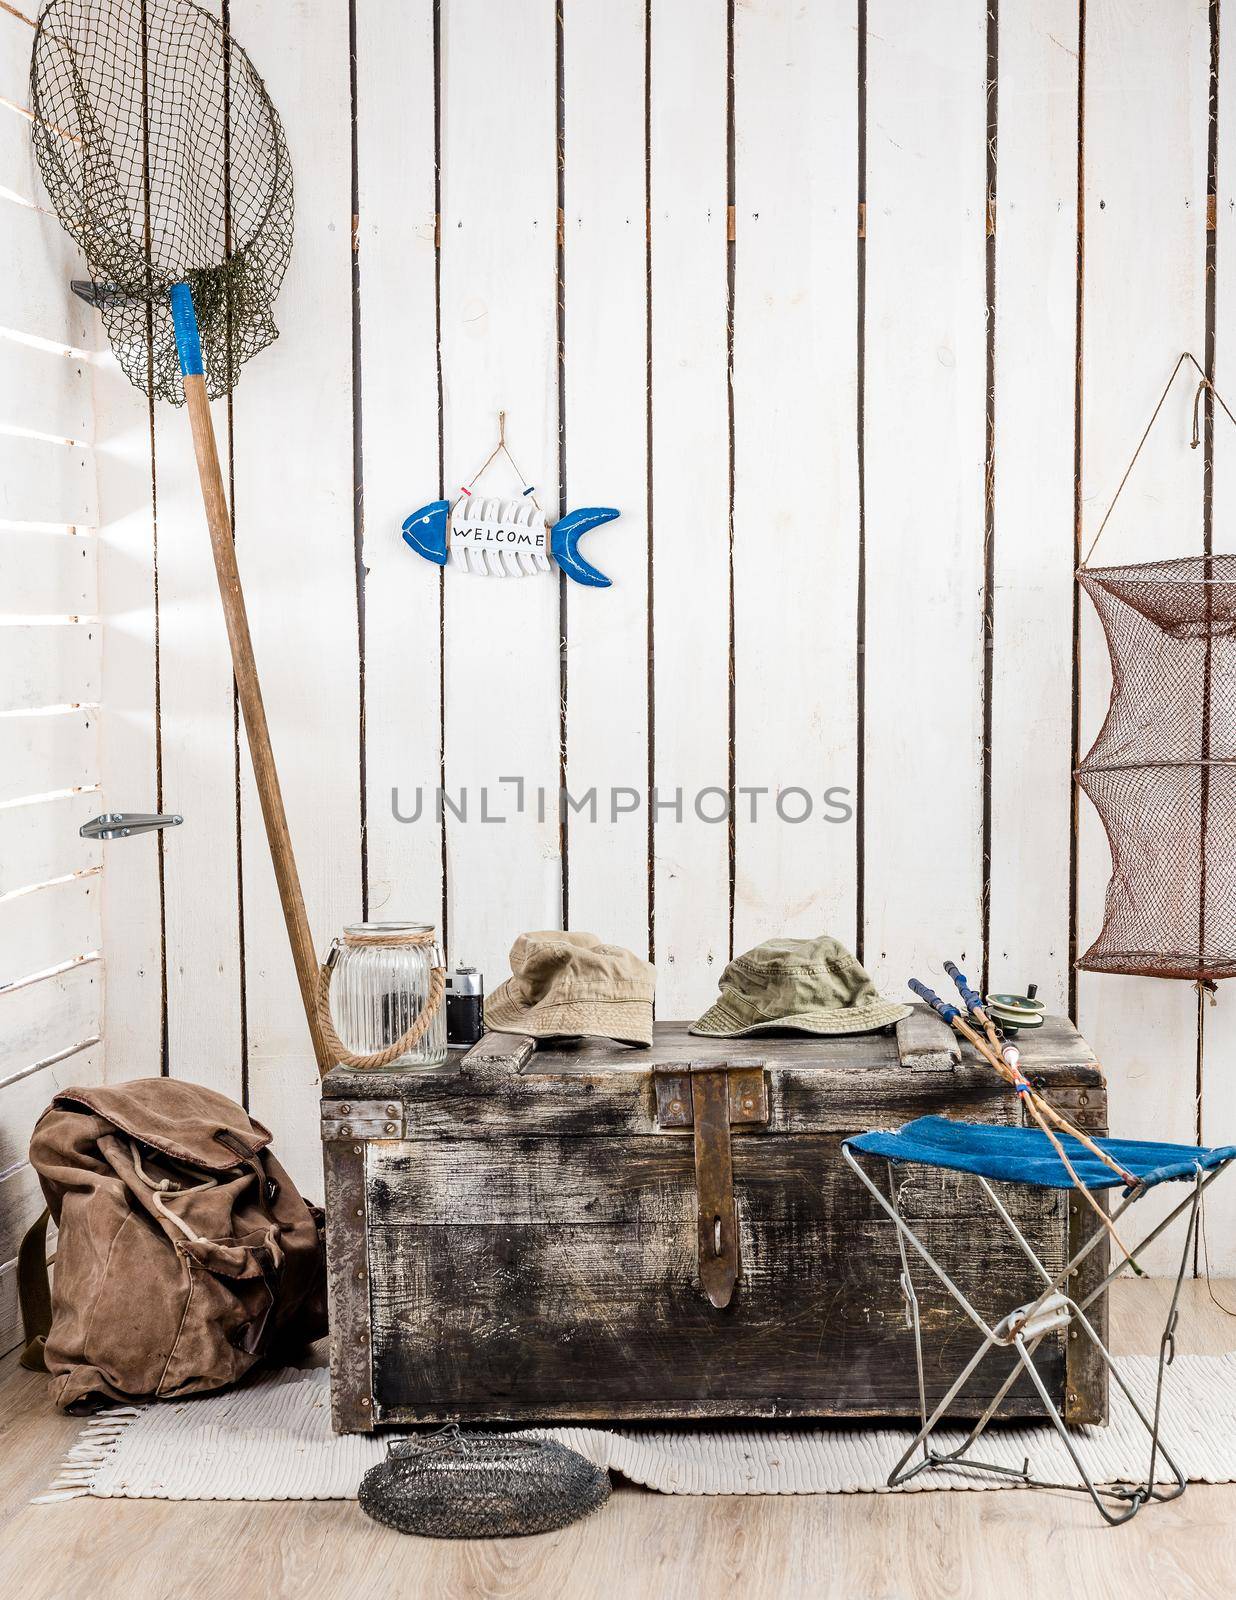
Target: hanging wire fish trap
(1162, 772)
(456, 1485)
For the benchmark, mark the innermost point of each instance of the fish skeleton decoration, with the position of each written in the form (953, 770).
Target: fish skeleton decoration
(505, 538)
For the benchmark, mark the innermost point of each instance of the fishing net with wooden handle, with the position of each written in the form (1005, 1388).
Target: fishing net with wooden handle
(165, 160)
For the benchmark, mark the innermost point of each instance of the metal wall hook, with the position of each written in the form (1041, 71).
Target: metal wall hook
(123, 824)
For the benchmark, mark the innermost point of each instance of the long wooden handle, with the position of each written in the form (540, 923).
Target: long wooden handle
(248, 688)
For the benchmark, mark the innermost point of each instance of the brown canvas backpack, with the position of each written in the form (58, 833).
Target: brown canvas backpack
(184, 1254)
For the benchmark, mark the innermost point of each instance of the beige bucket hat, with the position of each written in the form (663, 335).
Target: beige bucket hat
(572, 984)
(814, 985)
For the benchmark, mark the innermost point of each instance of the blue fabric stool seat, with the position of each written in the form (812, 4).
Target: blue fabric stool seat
(998, 1154)
(1025, 1155)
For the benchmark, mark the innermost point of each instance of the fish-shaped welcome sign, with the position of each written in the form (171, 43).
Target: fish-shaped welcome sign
(505, 538)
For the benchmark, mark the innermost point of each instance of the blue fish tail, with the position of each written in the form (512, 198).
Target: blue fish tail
(564, 543)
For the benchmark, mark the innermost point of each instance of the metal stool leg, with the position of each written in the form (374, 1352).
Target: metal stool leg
(911, 1300)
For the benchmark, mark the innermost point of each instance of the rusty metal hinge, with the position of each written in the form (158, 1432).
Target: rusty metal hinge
(709, 1096)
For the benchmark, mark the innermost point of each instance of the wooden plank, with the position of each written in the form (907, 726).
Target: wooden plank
(46, 1019)
(16, 39)
(10, 1311)
(499, 290)
(42, 481)
(1053, 1054)
(48, 754)
(21, 1201)
(347, 1269)
(41, 841)
(1217, 1125)
(49, 664)
(923, 433)
(924, 1038)
(607, 464)
(24, 1102)
(1146, 135)
(49, 574)
(398, 267)
(599, 1097)
(554, 1182)
(132, 905)
(35, 298)
(1217, 1109)
(19, 177)
(690, 507)
(48, 926)
(796, 534)
(197, 727)
(197, 732)
(293, 530)
(45, 390)
(1035, 364)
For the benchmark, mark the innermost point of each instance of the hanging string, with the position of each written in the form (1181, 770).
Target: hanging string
(500, 449)
(1205, 383)
(1210, 1288)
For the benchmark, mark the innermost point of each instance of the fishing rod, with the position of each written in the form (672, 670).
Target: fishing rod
(1009, 1069)
(1010, 1054)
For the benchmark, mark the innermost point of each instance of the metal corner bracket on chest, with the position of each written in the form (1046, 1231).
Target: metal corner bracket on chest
(362, 1119)
(708, 1097)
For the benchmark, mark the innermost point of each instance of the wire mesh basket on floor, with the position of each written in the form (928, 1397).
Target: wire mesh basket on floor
(459, 1485)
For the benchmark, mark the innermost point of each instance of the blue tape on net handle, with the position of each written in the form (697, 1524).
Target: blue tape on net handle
(184, 323)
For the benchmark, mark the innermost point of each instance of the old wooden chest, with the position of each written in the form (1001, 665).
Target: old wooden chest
(589, 1231)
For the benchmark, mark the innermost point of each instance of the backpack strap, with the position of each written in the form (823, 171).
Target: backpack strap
(34, 1293)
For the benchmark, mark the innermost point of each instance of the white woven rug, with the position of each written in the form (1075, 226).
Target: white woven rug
(273, 1441)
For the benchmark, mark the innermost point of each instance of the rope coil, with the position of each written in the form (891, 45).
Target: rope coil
(391, 938)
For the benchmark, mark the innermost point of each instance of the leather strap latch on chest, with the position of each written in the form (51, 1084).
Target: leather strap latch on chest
(710, 1097)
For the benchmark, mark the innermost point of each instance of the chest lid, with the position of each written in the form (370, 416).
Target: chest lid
(853, 1067)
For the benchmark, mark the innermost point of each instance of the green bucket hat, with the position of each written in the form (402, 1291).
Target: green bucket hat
(814, 985)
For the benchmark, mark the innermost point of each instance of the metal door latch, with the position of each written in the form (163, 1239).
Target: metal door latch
(122, 824)
(708, 1096)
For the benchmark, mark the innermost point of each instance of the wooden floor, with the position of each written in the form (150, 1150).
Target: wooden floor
(1016, 1543)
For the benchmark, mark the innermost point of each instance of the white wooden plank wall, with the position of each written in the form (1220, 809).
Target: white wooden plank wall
(923, 453)
(502, 679)
(1035, 337)
(295, 549)
(1146, 98)
(796, 527)
(605, 297)
(692, 588)
(795, 287)
(50, 673)
(398, 263)
(197, 771)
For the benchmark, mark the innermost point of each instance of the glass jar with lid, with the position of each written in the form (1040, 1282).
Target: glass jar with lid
(381, 1000)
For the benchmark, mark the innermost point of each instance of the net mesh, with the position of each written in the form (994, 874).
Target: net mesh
(165, 160)
(457, 1485)
(1162, 772)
